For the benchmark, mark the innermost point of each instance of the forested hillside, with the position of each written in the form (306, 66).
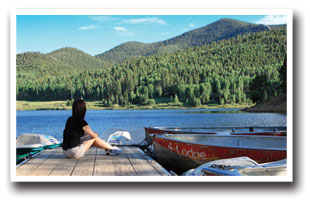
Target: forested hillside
(226, 71)
(76, 58)
(219, 30)
(38, 64)
(65, 59)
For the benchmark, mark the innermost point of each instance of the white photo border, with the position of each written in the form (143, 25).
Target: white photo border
(146, 11)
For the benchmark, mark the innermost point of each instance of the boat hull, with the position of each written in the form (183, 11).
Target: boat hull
(150, 131)
(181, 156)
(240, 166)
(29, 144)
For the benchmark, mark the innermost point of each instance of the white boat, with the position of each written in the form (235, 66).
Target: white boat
(28, 144)
(120, 137)
(239, 166)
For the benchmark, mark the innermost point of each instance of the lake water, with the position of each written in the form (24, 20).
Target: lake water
(52, 122)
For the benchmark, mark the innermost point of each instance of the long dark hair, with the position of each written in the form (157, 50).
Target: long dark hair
(78, 109)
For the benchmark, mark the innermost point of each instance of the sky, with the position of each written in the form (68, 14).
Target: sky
(95, 34)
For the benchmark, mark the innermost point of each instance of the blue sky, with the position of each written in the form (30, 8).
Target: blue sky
(99, 33)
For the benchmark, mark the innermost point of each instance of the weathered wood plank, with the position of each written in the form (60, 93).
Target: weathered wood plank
(139, 162)
(64, 167)
(104, 164)
(32, 164)
(45, 168)
(133, 162)
(122, 166)
(85, 165)
(160, 169)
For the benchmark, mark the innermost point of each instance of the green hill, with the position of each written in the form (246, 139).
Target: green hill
(217, 73)
(275, 104)
(219, 30)
(39, 63)
(65, 59)
(76, 58)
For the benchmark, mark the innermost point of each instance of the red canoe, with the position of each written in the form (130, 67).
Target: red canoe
(265, 131)
(181, 152)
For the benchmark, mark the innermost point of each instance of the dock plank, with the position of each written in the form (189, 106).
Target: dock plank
(65, 167)
(132, 162)
(85, 165)
(139, 162)
(122, 166)
(104, 164)
(160, 169)
(48, 165)
(28, 167)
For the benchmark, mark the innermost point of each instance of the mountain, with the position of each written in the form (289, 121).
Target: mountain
(72, 59)
(64, 59)
(219, 30)
(39, 63)
(220, 73)
(76, 58)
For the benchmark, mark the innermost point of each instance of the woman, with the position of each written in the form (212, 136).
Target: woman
(78, 137)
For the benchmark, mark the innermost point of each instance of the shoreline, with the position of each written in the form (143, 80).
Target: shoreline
(22, 105)
(276, 104)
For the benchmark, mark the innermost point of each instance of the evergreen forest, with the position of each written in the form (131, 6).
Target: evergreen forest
(247, 68)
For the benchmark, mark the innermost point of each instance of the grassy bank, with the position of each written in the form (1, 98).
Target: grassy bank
(97, 105)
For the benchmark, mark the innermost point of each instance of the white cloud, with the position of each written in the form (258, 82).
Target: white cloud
(102, 18)
(88, 27)
(120, 29)
(272, 19)
(152, 20)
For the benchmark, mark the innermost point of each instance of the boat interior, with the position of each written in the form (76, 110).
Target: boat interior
(252, 142)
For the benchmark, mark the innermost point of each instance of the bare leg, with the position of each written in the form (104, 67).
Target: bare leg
(99, 143)
(88, 143)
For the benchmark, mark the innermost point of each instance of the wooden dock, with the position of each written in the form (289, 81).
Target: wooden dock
(52, 162)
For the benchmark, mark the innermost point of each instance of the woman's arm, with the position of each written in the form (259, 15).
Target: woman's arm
(89, 131)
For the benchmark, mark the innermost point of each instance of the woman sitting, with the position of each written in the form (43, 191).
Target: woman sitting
(78, 137)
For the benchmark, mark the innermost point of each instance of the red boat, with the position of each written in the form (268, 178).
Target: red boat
(181, 152)
(264, 131)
